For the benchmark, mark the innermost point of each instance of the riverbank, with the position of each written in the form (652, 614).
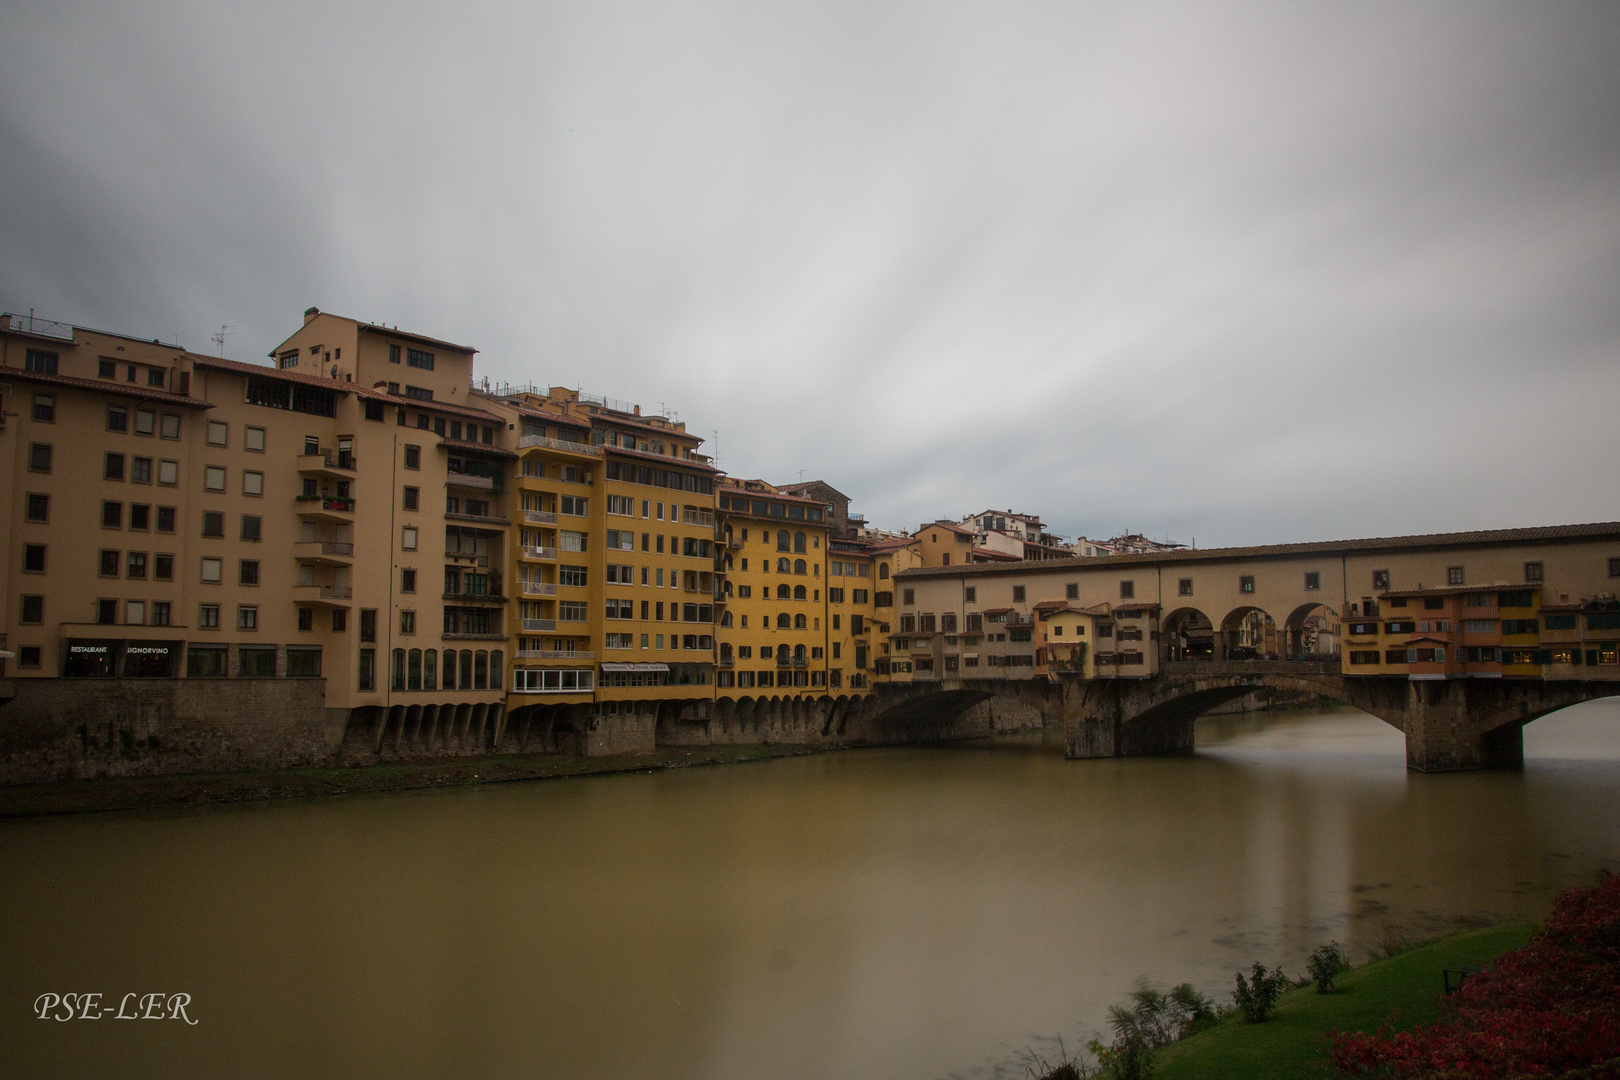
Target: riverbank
(1404, 991)
(203, 789)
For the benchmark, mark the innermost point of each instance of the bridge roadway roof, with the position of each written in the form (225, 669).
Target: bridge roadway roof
(1542, 534)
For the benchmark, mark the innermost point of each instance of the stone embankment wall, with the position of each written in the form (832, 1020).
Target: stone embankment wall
(59, 729)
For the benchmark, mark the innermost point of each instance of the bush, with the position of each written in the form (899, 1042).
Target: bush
(1128, 1057)
(1551, 1008)
(1324, 965)
(1258, 995)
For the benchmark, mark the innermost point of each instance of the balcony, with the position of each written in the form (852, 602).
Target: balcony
(734, 543)
(543, 554)
(539, 626)
(726, 662)
(555, 654)
(325, 508)
(325, 463)
(1015, 623)
(539, 517)
(697, 517)
(531, 441)
(472, 482)
(330, 552)
(538, 588)
(474, 598)
(329, 595)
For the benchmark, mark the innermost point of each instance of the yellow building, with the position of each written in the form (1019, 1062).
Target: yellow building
(773, 631)
(614, 566)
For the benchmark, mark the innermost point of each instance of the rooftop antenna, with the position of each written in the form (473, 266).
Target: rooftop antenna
(219, 338)
(801, 476)
(715, 442)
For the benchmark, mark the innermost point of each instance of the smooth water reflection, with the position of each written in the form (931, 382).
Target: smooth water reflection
(884, 913)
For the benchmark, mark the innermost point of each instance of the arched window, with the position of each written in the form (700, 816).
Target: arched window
(728, 562)
(783, 566)
(466, 669)
(399, 669)
(725, 620)
(725, 651)
(413, 670)
(799, 567)
(799, 623)
(798, 542)
(783, 541)
(783, 592)
(449, 669)
(883, 570)
(430, 669)
(783, 622)
(480, 670)
(798, 652)
(727, 589)
(798, 592)
(782, 653)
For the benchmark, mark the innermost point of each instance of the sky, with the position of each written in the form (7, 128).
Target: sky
(1233, 272)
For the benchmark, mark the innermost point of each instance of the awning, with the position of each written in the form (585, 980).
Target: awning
(635, 667)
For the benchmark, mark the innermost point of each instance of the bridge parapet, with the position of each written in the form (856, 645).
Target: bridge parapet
(1249, 667)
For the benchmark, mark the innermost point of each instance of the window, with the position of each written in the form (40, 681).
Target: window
(156, 376)
(253, 439)
(140, 471)
(1614, 567)
(411, 498)
(213, 523)
(39, 507)
(219, 433)
(413, 456)
(909, 596)
(171, 426)
(34, 558)
(1380, 579)
(109, 563)
(622, 505)
(572, 575)
(969, 595)
(39, 457)
(252, 482)
(416, 358)
(1246, 583)
(306, 619)
(212, 570)
(407, 622)
(214, 478)
(135, 565)
(247, 618)
(113, 467)
(256, 663)
(1127, 590)
(573, 505)
(168, 472)
(1454, 575)
(248, 572)
(112, 515)
(576, 541)
(117, 418)
(304, 662)
(145, 421)
(1313, 581)
(407, 538)
(1532, 571)
(45, 408)
(407, 580)
(135, 612)
(33, 609)
(40, 362)
(163, 567)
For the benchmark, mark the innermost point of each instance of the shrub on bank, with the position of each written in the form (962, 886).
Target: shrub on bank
(1551, 1008)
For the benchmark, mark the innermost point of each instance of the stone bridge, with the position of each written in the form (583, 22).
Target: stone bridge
(1449, 725)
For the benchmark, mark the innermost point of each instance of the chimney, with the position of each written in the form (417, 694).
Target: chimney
(310, 313)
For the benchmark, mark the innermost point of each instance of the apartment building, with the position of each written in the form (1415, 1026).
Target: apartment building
(774, 633)
(181, 515)
(614, 566)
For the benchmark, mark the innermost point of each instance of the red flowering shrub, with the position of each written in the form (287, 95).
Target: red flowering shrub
(1550, 1009)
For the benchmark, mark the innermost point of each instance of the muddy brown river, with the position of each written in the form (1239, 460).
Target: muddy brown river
(906, 913)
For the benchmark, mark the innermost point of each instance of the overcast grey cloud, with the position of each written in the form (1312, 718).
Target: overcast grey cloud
(1244, 272)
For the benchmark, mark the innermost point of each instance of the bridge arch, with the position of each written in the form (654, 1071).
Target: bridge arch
(1311, 631)
(1248, 632)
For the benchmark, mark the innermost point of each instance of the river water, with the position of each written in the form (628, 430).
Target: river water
(891, 913)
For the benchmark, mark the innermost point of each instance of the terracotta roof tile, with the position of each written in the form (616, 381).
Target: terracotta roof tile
(107, 386)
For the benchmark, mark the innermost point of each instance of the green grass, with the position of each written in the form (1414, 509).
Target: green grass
(1292, 1045)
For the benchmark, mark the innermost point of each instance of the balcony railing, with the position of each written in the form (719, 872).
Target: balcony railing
(326, 459)
(528, 441)
(345, 506)
(539, 517)
(555, 654)
(697, 517)
(472, 481)
(539, 588)
(539, 626)
(309, 549)
(547, 553)
(475, 597)
(734, 543)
